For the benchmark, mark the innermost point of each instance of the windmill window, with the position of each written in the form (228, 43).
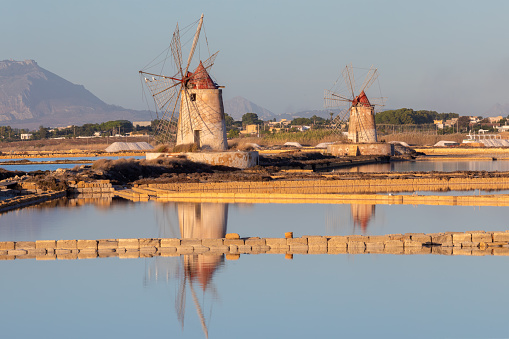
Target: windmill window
(193, 96)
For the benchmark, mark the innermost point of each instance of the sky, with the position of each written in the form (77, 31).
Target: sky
(447, 56)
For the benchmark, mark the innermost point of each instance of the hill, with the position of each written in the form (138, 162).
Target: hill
(308, 114)
(31, 96)
(239, 106)
(496, 110)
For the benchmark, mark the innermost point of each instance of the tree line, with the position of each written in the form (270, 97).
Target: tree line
(405, 116)
(108, 128)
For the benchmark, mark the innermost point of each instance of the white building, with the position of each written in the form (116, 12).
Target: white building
(142, 123)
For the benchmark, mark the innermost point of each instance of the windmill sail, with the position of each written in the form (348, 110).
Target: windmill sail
(356, 110)
(190, 103)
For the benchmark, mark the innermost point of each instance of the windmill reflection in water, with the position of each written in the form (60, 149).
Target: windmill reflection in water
(196, 221)
(361, 215)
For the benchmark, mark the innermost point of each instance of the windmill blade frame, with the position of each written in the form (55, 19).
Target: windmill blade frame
(176, 50)
(370, 78)
(345, 95)
(349, 79)
(190, 101)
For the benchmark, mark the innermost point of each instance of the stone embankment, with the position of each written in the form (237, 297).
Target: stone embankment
(345, 185)
(284, 191)
(29, 193)
(477, 243)
(501, 152)
(68, 154)
(29, 199)
(94, 189)
(326, 191)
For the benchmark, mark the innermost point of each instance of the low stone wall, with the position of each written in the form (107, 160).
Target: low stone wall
(29, 199)
(337, 186)
(449, 243)
(68, 154)
(94, 189)
(300, 198)
(498, 151)
(29, 193)
(354, 149)
(238, 159)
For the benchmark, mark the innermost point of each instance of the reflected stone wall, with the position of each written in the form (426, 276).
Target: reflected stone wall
(202, 220)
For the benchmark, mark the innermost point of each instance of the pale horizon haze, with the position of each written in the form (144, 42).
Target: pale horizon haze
(447, 56)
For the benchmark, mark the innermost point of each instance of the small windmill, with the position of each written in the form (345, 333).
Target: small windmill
(353, 106)
(190, 103)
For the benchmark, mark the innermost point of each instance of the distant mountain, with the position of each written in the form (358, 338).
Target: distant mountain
(31, 96)
(307, 114)
(239, 106)
(497, 110)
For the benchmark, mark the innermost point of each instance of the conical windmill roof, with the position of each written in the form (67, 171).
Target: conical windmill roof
(361, 99)
(201, 79)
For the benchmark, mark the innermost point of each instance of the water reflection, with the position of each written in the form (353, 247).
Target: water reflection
(430, 165)
(196, 272)
(202, 220)
(196, 221)
(362, 214)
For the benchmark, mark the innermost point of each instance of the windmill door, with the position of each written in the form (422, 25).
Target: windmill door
(197, 137)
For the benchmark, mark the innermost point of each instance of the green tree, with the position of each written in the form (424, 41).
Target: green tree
(228, 120)
(42, 133)
(233, 133)
(302, 121)
(463, 122)
(409, 116)
(250, 119)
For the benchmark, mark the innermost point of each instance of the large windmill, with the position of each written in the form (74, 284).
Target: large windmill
(355, 109)
(189, 104)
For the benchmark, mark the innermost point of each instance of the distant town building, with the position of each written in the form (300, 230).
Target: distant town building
(26, 136)
(439, 124)
(474, 120)
(250, 129)
(276, 126)
(301, 128)
(281, 123)
(451, 122)
(495, 119)
(142, 123)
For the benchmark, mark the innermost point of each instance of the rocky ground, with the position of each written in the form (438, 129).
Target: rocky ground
(284, 166)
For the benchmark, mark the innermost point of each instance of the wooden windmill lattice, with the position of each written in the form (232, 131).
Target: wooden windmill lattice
(181, 109)
(347, 100)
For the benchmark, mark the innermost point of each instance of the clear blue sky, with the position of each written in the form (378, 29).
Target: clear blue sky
(448, 56)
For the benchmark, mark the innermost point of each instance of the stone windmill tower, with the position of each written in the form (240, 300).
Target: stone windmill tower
(191, 103)
(362, 126)
(356, 110)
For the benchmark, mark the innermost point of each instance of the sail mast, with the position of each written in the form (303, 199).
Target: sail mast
(195, 41)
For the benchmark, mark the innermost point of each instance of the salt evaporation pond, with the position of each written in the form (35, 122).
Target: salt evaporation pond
(352, 296)
(151, 219)
(52, 167)
(397, 166)
(431, 165)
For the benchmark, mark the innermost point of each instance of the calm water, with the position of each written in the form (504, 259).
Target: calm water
(152, 219)
(351, 296)
(399, 166)
(427, 166)
(258, 296)
(52, 167)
